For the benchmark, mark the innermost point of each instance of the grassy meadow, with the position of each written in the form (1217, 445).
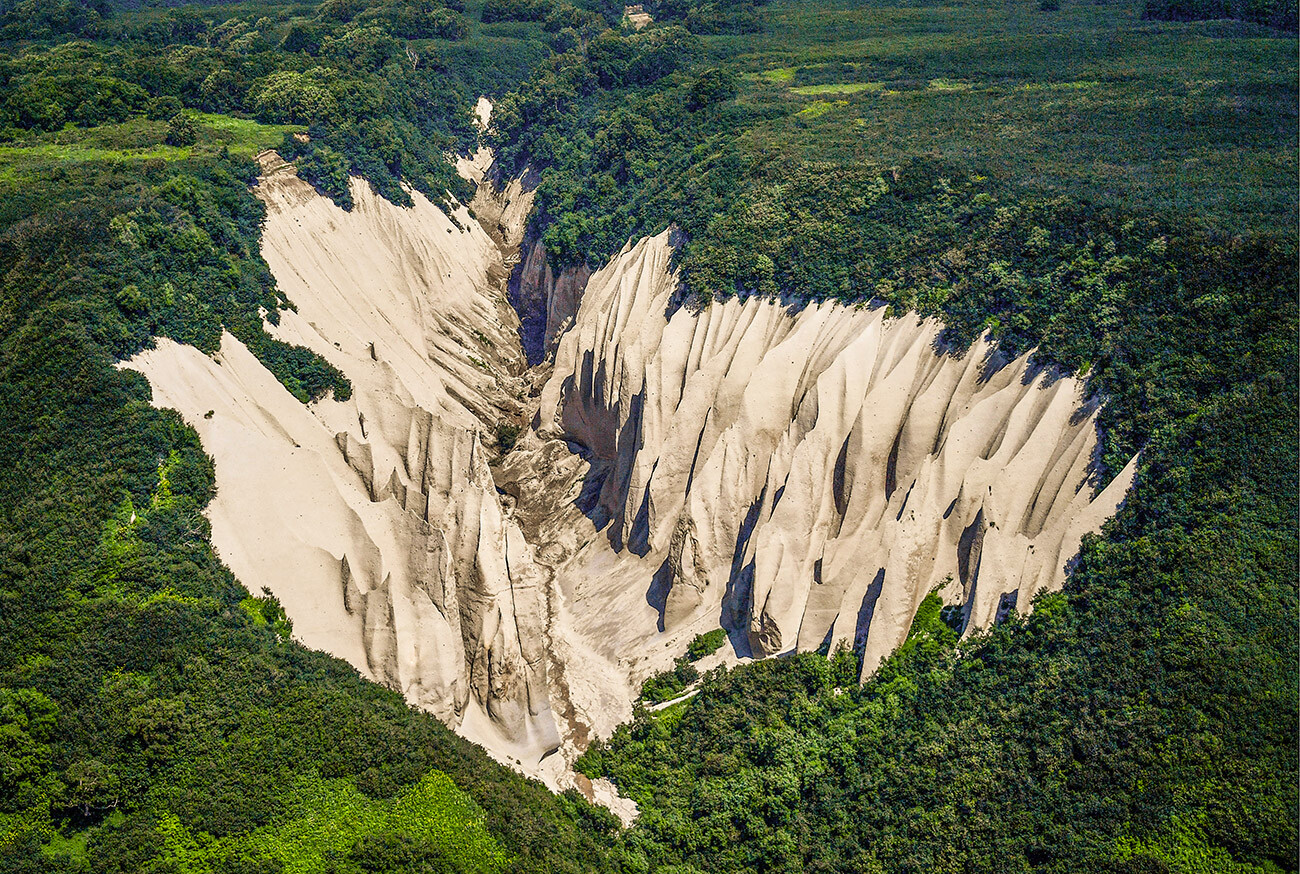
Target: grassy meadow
(1195, 119)
(26, 160)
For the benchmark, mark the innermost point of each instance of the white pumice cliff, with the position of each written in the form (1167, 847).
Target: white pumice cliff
(376, 521)
(808, 477)
(799, 477)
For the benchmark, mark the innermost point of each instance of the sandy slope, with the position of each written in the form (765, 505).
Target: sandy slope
(377, 521)
(804, 477)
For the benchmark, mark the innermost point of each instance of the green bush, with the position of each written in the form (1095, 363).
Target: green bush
(669, 684)
(324, 168)
(705, 644)
(1281, 14)
(507, 433)
(267, 610)
(181, 131)
(163, 108)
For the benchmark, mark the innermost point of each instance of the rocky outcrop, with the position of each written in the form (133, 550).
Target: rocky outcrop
(376, 521)
(808, 476)
(545, 301)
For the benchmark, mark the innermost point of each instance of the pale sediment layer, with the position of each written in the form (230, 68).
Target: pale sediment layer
(376, 521)
(807, 477)
(546, 301)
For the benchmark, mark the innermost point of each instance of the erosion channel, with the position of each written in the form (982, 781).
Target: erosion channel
(515, 546)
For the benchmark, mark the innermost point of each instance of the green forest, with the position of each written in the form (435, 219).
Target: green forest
(154, 715)
(1109, 183)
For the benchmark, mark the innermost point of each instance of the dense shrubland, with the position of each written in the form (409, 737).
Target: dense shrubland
(155, 716)
(1143, 720)
(641, 131)
(711, 16)
(169, 251)
(977, 165)
(1197, 127)
(365, 80)
(151, 710)
(1274, 13)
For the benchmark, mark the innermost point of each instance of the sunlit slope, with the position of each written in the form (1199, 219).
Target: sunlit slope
(805, 478)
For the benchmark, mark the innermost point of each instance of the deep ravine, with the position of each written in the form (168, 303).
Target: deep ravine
(802, 479)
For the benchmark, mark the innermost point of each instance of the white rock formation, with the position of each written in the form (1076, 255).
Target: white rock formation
(810, 476)
(545, 300)
(376, 521)
(795, 476)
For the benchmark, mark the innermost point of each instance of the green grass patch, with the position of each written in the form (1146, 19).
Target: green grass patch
(818, 108)
(838, 88)
(72, 847)
(330, 822)
(949, 85)
(242, 136)
(779, 76)
(18, 162)
(673, 713)
(1182, 849)
(1081, 85)
(135, 140)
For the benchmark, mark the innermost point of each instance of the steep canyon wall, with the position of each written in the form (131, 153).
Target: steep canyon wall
(807, 477)
(376, 521)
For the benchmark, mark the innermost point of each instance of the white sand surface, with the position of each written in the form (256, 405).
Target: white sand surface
(376, 520)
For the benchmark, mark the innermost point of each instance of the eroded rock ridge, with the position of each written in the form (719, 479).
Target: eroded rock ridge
(376, 521)
(807, 477)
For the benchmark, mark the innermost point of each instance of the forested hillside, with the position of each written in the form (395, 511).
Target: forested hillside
(154, 715)
(1114, 189)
